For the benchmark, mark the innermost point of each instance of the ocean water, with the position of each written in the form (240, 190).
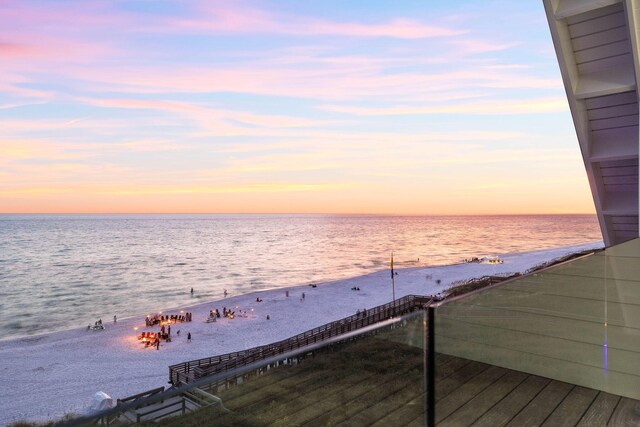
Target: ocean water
(64, 271)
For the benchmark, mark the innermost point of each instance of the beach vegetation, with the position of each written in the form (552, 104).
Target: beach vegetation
(65, 419)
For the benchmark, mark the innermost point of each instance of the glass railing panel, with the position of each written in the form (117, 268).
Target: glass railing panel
(374, 376)
(569, 332)
(372, 379)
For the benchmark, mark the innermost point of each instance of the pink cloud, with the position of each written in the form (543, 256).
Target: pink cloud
(236, 17)
(397, 28)
(10, 50)
(319, 77)
(31, 93)
(67, 16)
(62, 32)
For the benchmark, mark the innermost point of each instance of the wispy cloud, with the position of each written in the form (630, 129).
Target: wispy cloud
(242, 17)
(12, 50)
(495, 107)
(226, 121)
(474, 46)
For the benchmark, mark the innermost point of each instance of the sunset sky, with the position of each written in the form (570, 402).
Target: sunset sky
(411, 107)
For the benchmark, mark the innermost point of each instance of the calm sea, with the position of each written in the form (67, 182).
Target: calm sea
(62, 271)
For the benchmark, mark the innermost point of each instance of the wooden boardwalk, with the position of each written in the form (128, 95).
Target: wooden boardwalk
(192, 370)
(379, 382)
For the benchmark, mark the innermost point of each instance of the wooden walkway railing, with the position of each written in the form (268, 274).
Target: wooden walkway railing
(140, 395)
(186, 372)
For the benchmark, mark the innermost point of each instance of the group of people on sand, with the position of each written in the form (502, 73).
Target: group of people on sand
(231, 314)
(152, 339)
(97, 325)
(158, 319)
(214, 314)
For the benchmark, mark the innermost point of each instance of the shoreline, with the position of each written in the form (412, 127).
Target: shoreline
(67, 367)
(398, 268)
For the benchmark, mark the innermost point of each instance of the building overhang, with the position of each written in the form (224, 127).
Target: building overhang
(596, 42)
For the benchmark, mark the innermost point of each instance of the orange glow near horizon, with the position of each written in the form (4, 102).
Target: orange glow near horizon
(495, 202)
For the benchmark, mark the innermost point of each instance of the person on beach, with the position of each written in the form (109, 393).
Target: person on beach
(191, 291)
(225, 292)
(188, 336)
(157, 343)
(115, 319)
(268, 317)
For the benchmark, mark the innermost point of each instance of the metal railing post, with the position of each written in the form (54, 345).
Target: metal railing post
(430, 371)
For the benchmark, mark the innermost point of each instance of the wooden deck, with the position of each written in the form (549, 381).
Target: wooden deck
(379, 382)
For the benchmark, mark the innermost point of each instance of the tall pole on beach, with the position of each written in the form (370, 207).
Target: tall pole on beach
(393, 279)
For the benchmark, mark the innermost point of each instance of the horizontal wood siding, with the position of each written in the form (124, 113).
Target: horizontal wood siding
(570, 323)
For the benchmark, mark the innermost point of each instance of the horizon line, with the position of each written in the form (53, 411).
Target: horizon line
(298, 213)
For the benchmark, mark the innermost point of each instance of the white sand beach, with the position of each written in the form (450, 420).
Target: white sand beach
(48, 375)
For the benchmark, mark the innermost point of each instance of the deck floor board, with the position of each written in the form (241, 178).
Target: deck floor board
(541, 406)
(624, 414)
(600, 410)
(353, 388)
(459, 397)
(569, 412)
(513, 403)
(484, 401)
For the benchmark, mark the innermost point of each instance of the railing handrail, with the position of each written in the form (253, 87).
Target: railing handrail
(141, 395)
(186, 371)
